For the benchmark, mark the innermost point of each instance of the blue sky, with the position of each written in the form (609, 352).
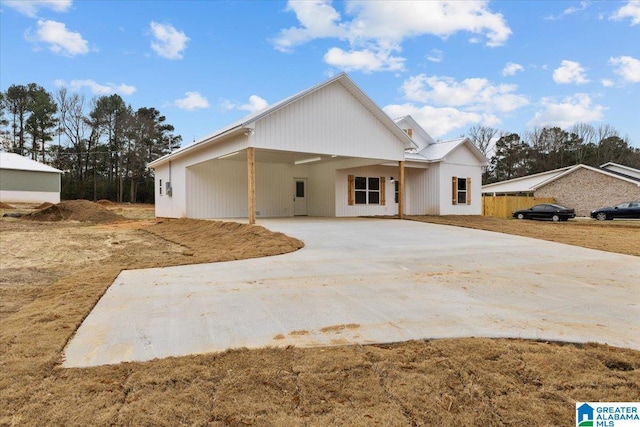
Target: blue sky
(511, 65)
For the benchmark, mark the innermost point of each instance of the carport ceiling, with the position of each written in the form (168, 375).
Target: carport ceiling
(288, 157)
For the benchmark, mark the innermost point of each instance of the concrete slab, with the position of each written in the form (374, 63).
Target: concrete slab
(367, 281)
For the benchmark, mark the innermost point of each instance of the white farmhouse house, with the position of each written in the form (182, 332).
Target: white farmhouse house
(23, 180)
(327, 151)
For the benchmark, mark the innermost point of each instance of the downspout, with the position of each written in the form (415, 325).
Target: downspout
(169, 184)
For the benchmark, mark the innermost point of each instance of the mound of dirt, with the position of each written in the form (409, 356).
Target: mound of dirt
(105, 202)
(43, 205)
(75, 210)
(224, 241)
(3, 205)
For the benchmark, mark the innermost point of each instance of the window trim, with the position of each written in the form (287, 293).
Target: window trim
(460, 196)
(367, 191)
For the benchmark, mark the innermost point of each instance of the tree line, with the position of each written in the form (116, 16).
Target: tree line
(548, 148)
(103, 145)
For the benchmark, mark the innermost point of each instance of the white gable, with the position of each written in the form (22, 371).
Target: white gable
(331, 104)
(329, 121)
(415, 131)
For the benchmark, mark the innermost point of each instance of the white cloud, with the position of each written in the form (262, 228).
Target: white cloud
(254, 105)
(374, 29)
(627, 67)
(570, 11)
(191, 101)
(569, 72)
(364, 60)
(630, 10)
(511, 69)
(318, 19)
(32, 7)
(59, 38)
(475, 94)
(437, 121)
(399, 20)
(436, 55)
(168, 42)
(442, 104)
(97, 88)
(607, 83)
(226, 105)
(576, 109)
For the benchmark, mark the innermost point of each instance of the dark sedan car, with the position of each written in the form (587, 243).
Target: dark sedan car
(623, 210)
(546, 211)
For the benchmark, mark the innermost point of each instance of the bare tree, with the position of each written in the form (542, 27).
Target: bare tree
(584, 141)
(482, 137)
(74, 126)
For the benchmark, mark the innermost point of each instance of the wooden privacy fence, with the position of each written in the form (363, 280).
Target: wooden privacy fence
(503, 206)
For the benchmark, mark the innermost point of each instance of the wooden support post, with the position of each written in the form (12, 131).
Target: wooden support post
(401, 191)
(251, 171)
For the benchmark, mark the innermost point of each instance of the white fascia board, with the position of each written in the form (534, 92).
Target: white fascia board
(189, 148)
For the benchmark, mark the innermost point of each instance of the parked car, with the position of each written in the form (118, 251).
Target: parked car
(623, 210)
(546, 211)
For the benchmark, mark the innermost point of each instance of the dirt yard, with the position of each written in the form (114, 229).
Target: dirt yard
(53, 272)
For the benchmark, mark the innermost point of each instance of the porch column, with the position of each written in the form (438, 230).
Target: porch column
(251, 170)
(401, 191)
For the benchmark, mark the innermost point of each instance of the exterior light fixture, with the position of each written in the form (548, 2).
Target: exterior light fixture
(313, 159)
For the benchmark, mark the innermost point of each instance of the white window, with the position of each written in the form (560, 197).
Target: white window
(397, 190)
(367, 190)
(364, 190)
(460, 191)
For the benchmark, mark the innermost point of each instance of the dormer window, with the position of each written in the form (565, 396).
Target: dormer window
(408, 132)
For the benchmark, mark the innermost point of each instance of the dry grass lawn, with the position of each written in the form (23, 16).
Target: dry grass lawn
(53, 272)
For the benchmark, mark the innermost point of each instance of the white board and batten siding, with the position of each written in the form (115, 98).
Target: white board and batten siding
(343, 209)
(460, 163)
(329, 121)
(321, 189)
(175, 172)
(219, 189)
(422, 190)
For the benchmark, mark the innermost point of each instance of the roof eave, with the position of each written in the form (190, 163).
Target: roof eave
(189, 148)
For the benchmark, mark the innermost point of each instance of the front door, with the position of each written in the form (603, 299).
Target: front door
(300, 197)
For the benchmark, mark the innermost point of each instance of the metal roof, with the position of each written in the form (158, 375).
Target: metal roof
(524, 184)
(17, 162)
(617, 168)
(247, 122)
(438, 151)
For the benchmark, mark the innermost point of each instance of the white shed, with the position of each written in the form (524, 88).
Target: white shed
(326, 151)
(23, 180)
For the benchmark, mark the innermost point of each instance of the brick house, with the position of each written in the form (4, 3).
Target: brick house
(581, 187)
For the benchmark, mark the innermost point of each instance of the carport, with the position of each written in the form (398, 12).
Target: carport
(258, 166)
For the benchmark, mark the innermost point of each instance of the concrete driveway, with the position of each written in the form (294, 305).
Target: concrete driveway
(367, 281)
